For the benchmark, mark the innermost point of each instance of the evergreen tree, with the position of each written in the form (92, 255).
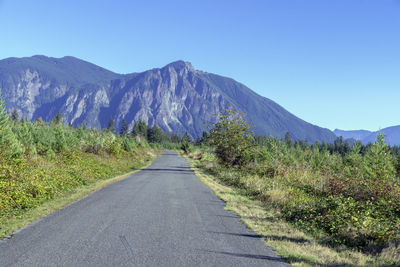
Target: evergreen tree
(397, 165)
(24, 134)
(166, 137)
(186, 138)
(60, 143)
(124, 128)
(378, 160)
(155, 134)
(39, 121)
(135, 131)
(57, 119)
(8, 140)
(140, 128)
(288, 139)
(83, 125)
(14, 115)
(346, 148)
(111, 127)
(4, 126)
(175, 138)
(204, 137)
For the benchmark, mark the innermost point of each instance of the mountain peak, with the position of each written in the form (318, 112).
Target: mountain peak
(40, 56)
(180, 64)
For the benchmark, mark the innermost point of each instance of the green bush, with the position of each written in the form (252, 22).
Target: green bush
(186, 147)
(231, 137)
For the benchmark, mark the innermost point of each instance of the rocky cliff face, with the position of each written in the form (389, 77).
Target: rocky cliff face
(177, 97)
(174, 97)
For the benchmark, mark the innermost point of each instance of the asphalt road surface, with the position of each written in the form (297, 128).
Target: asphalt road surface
(160, 216)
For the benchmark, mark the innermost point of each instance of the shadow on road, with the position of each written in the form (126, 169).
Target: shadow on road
(249, 217)
(244, 255)
(273, 237)
(180, 170)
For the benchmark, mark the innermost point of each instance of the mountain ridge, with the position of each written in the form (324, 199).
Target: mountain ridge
(176, 97)
(392, 135)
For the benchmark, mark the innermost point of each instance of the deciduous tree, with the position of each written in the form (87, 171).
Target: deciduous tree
(232, 139)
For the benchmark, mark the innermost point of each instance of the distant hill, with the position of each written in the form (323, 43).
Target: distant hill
(392, 135)
(177, 97)
(356, 134)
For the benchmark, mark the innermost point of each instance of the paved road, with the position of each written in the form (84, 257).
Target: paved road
(161, 216)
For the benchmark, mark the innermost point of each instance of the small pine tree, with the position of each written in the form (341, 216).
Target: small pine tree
(60, 143)
(14, 115)
(4, 126)
(339, 146)
(378, 160)
(288, 139)
(204, 137)
(398, 164)
(8, 140)
(39, 121)
(186, 138)
(110, 127)
(155, 134)
(143, 128)
(57, 119)
(26, 137)
(124, 128)
(135, 131)
(175, 138)
(140, 129)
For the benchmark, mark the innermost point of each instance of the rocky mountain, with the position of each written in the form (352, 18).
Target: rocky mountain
(177, 97)
(392, 135)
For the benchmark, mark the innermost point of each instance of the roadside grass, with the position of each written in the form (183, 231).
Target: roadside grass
(298, 248)
(98, 170)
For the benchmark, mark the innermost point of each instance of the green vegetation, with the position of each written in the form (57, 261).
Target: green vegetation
(40, 162)
(156, 136)
(346, 197)
(232, 139)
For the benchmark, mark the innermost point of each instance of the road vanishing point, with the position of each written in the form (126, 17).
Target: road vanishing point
(160, 216)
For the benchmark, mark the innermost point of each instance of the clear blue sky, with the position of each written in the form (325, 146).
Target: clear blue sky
(332, 63)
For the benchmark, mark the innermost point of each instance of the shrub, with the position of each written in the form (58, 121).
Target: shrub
(185, 146)
(232, 139)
